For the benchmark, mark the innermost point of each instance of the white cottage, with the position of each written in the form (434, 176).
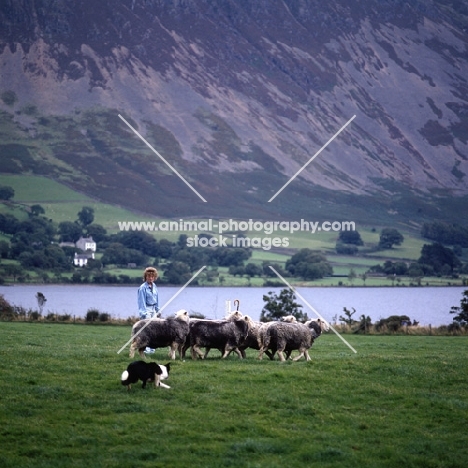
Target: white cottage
(86, 243)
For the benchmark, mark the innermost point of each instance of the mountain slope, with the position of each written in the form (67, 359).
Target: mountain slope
(238, 96)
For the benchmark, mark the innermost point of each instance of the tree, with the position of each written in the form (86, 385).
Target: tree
(8, 223)
(36, 210)
(251, 269)
(279, 306)
(309, 265)
(350, 237)
(390, 237)
(13, 270)
(6, 192)
(92, 315)
(452, 234)
(6, 309)
(118, 254)
(236, 270)
(348, 319)
(227, 256)
(86, 216)
(177, 273)
(97, 232)
(165, 248)
(440, 258)
(462, 312)
(363, 325)
(138, 240)
(41, 300)
(4, 249)
(346, 249)
(352, 275)
(69, 231)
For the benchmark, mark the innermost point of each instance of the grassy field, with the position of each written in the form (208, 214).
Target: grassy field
(400, 401)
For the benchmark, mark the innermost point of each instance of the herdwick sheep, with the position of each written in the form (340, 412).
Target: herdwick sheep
(254, 339)
(251, 340)
(283, 337)
(224, 335)
(253, 335)
(236, 315)
(160, 333)
(318, 325)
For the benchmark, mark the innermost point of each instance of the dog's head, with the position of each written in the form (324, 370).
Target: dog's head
(164, 371)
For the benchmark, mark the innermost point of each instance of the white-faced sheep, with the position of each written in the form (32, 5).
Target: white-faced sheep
(286, 337)
(159, 333)
(225, 335)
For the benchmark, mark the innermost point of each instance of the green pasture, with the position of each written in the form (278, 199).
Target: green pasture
(62, 203)
(400, 401)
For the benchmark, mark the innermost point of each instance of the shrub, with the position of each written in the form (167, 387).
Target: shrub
(104, 317)
(462, 311)
(392, 323)
(92, 315)
(6, 310)
(34, 315)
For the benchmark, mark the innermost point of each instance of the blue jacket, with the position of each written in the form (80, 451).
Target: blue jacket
(148, 301)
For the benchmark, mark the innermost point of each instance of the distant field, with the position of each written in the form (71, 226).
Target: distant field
(63, 204)
(400, 401)
(37, 189)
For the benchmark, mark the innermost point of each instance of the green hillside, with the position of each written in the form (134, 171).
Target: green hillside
(94, 153)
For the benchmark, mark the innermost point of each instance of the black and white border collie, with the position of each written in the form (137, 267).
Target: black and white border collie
(146, 372)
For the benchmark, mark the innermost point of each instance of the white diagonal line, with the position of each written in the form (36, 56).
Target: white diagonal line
(155, 152)
(162, 308)
(311, 308)
(311, 159)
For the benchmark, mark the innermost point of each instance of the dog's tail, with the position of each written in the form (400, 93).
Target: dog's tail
(124, 377)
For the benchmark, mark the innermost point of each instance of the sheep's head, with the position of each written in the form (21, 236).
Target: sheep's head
(288, 318)
(183, 315)
(323, 325)
(249, 321)
(236, 315)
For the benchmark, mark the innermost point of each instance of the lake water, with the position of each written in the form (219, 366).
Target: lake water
(429, 306)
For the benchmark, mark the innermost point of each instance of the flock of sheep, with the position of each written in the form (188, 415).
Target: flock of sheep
(236, 332)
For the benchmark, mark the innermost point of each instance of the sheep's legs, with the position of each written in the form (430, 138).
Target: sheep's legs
(196, 351)
(260, 353)
(183, 349)
(172, 351)
(304, 353)
(228, 350)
